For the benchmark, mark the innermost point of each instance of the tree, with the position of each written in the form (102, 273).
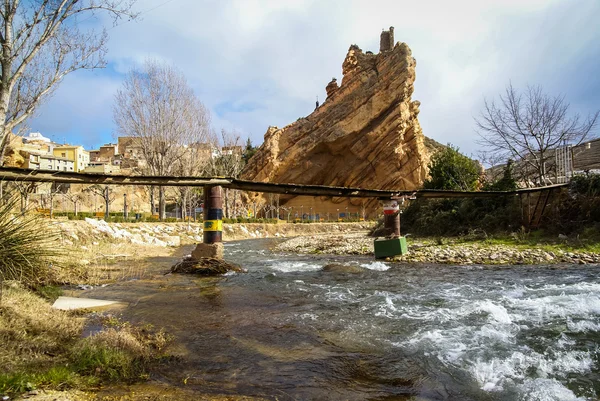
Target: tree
(41, 43)
(249, 151)
(506, 183)
(157, 106)
(529, 127)
(228, 163)
(451, 170)
(107, 195)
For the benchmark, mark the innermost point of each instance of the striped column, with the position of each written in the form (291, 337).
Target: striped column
(213, 215)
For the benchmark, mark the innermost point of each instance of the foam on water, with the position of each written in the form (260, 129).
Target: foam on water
(468, 332)
(546, 390)
(497, 313)
(582, 326)
(294, 266)
(379, 266)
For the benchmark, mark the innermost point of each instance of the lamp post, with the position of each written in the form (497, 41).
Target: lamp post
(302, 213)
(338, 214)
(347, 217)
(310, 216)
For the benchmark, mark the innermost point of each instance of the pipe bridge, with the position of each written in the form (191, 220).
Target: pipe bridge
(64, 177)
(212, 247)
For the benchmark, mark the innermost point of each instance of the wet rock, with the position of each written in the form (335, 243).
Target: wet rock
(205, 266)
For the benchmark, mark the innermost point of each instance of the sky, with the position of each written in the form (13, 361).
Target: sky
(261, 63)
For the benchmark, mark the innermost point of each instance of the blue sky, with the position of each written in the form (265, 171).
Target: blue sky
(256, 63)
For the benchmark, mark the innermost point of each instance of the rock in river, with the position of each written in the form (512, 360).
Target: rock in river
(205, 266)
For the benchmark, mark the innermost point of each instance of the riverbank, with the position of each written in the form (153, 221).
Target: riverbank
(95, 252)
(459, 251)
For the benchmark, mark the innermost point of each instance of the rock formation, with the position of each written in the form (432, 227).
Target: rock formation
(366, 134)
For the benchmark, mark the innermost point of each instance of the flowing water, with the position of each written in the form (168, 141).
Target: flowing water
(317, 327)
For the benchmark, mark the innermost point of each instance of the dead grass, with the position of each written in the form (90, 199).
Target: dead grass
(42, 347)
(31, 331)
(104, 262)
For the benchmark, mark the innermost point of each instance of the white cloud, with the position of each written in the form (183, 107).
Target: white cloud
(268, 59)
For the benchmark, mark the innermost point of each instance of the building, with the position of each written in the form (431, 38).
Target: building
(94, 155)
(42, 161)
(78, 154)
(232, 150)
(102, 168)
(131, 152)
(106, 153)
(33, 137)
(130, 147)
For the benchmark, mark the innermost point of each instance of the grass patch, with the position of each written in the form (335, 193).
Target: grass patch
(522, 240)
(42, 347)
(49, 292)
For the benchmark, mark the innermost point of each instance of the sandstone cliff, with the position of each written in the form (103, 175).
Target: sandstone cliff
(366, 134)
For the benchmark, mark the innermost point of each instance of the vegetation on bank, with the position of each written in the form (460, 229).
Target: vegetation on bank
(26, 248)
(42, 347)
(575, 212)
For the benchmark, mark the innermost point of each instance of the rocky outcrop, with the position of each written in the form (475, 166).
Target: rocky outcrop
(366, 134)
(331, 87)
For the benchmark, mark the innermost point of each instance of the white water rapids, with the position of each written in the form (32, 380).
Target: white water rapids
(510, 333)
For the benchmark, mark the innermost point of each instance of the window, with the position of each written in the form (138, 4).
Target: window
(63, 154)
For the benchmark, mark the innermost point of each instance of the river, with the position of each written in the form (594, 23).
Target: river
(360, 329)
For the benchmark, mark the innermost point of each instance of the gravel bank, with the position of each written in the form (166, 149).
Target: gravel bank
(423, 252)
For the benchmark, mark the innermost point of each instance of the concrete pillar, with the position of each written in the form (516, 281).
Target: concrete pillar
(212, 247)
(213, 214)
(125, 206)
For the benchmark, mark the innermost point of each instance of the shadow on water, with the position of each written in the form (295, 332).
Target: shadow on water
(292, 329)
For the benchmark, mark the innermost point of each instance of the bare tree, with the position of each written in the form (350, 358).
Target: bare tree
(157, 106)
(228, 163)
(527, 128)
(25, 189)
(192, 163)
(76, 198)
(107, 195)
(41, 43)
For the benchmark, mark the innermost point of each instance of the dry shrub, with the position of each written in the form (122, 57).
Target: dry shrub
(121, 352)
(30, 329)
(26, 245)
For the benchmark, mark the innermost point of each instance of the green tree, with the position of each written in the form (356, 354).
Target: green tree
(506, 183)
(249, 151)
(451, 170)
